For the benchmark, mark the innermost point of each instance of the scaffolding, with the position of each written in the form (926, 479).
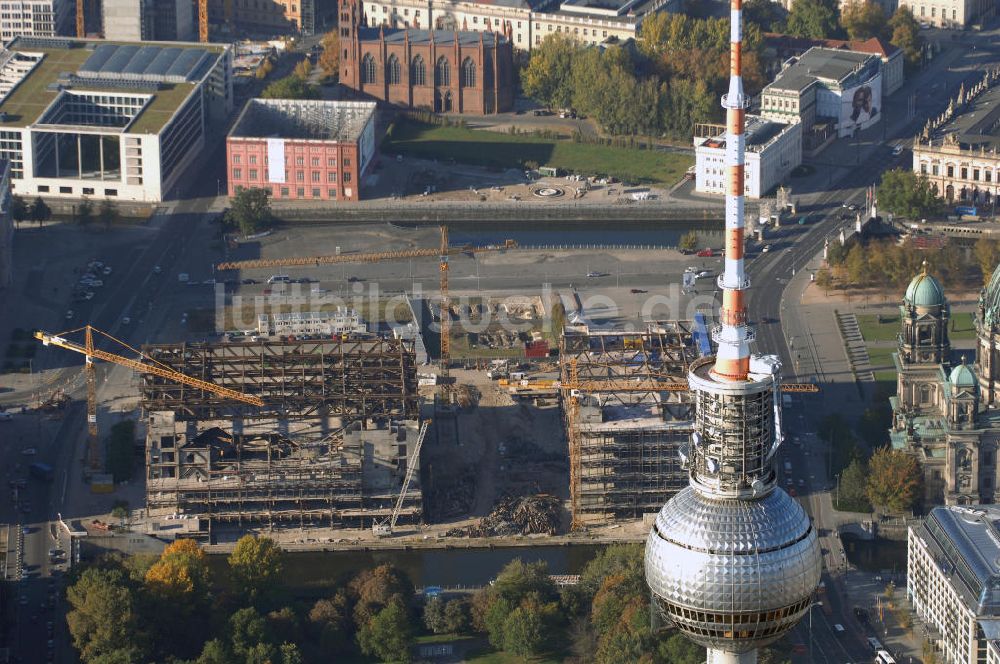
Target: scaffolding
(624, 443)
(330, 447)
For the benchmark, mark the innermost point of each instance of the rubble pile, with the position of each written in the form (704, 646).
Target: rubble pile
(522, 515)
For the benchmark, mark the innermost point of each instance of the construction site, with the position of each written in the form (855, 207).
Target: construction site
(331, 446)
(627, 413)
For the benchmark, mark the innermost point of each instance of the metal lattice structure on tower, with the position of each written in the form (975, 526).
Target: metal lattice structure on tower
(732, 561)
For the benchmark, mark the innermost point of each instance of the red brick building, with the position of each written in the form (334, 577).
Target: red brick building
(301, 150)
(438, 70)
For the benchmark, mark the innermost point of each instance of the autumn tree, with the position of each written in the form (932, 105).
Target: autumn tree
(388, 635)
(689, 241)
(329, 59)
(303, 69)
(987, 253)
(290, 87)
(181, 573)
(547, 76)
(374, 589)
(894, 480)
(905, 34)
(255, 565)
(863, 19)
(813, 19)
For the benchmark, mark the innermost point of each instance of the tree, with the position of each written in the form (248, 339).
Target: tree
(907, 194)
(247, 629)
(768, 15)
(18, 209)
(824, 280)
(290, 87)
(283, 625)
(547, 76)
(329, 59)
(894, 480)
(261, 653)
(330, 619)
(121, 450)
(676, 649)
(906, 35)
(256, 564)
(689, 241)
(180, 577)
(102, 618)
(523, 630)
(558, 317)
(107, 213)
(813, 19)
(863, 19)
(852, 489)
(434, 616)
(250, 211)
(216, 652)
(85, 212)
(303, 69)
(375, 588)
(987, 253)
(456, 616)
(290, 654)
(40, 211)
(388, 635)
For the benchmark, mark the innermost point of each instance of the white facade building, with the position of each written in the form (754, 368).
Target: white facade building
(36, 18)
(953, 580)
(950, 13)
(773, 150)
(589, 21)
(108, 121)
(338, 322)
(148, 20)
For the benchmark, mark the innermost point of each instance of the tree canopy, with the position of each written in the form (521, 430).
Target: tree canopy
(863, 19)
(908, 194)
(290, 87)
(813, 19)
(250, 211)
(255, 565)
(905, 34)
(894, 480)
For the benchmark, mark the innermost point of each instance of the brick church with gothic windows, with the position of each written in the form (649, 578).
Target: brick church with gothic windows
(436, 70)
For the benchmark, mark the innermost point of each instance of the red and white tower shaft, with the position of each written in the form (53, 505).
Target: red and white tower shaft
(733, 335)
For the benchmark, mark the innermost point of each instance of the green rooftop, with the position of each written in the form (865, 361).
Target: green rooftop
(32, 96)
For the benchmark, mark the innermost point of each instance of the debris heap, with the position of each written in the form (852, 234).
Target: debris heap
(523, 515)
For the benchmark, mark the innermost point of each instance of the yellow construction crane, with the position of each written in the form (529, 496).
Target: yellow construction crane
(443, 252)
(149, 366)
(664, 384)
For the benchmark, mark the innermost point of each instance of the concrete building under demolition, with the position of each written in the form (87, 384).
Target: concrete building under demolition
(329, 448)
(627, 414)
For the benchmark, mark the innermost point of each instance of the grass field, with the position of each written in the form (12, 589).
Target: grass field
(501, 150)
(962, 326)
(500, 657)
(881, 360)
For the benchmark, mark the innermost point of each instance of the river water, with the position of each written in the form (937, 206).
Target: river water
(611, 233)
(314, 573)
(878, 555)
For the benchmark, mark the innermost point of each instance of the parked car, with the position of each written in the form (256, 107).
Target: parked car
(706, 253)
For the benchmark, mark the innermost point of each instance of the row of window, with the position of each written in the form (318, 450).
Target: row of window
(987, 175)
(300, 192)
(300, 176)
(85, 191)
(944, 12)
(331, 162)
(737, 618)
(418, 71)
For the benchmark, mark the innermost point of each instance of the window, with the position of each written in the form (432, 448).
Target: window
(284, 192)
(392, 74)
(236, 158)
(237, 173)
(475, 19)
(253, 159)
(315, 176)
(43, 188)
(347, 177)
(988, 176)
(951, 171)
(442, 72)
(315, 162)
(300, 192)
(88, 191)
(253, 173)
(299, 161)
(468, 73)
(331, 176)
(316, 193)
(65, 190)
(368, 69)
(923, 169)
(347, 162)
(332, 193)
(975, 174)
(965, 173)
(331, 162)
(418, 71)
(107, 192)
(300, 176)
(934, 169)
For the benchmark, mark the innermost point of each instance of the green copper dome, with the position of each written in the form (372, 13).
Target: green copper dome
(962, 376)
(989, 300)
(925, 291)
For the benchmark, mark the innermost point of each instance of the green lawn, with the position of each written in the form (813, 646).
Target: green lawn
(495, 657)
(962, 326)
(501, 150)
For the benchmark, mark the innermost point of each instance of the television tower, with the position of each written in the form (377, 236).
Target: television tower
(732, 560)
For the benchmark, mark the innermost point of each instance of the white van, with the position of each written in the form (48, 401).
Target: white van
(278, 279)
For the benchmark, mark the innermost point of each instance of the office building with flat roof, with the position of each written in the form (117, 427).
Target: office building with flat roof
(122, 121)
(35, 18)
(301, 150)
(773, 149)
(953, 579)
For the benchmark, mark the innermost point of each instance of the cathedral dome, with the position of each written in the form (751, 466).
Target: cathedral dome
(990, 299)
(925, 291)
(962, 376)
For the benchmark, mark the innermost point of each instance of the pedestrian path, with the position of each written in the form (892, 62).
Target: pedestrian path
(854, 344)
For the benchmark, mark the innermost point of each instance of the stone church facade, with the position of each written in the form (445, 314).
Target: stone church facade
(437, 70)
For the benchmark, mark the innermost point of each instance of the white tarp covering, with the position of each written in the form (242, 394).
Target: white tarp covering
(276, 160)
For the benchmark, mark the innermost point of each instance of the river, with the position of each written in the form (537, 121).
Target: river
(314, 573)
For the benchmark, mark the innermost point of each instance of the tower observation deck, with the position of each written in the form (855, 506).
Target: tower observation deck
(732, 560)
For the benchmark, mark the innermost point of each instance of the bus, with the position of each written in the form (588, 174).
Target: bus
(883, 657)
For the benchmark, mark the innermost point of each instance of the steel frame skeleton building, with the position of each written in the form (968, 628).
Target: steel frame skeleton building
(329, 448)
